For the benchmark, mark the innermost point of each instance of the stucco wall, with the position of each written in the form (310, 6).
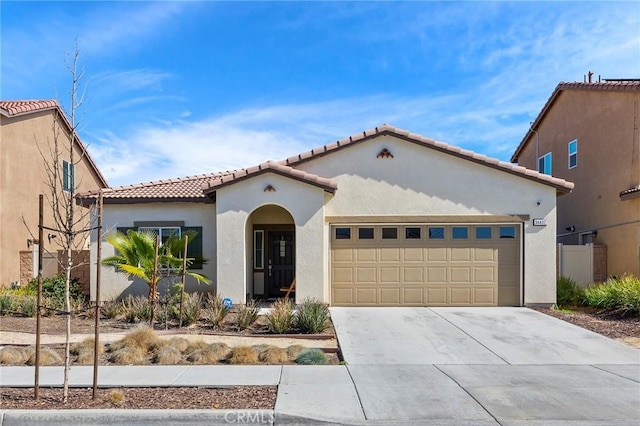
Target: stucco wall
(115, 284)
(23, 142)
(424, 182)
(235, 204)
(605, 125)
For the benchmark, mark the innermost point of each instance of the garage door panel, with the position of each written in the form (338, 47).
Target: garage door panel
(460, 296)
(484, 254)
(413, 275)
(437, 274)
(414, 296)
(389, 254)
(342, 255)
(413, 254)
(366, 254)
(342, 275)
(367, 275)
(366, 296)
(343, 296)
(484, 274)
(390, 274)
(460, 275)
(436, 271)
(437, 296)
(460, 254)
(484, 296)
(390, 296)
(436, 254)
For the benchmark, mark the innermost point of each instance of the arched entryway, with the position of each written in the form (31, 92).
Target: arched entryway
(271, 252)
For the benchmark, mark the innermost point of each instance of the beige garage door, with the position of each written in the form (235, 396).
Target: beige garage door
(425, 265)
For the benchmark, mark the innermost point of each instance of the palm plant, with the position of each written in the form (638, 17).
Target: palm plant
(140, 254)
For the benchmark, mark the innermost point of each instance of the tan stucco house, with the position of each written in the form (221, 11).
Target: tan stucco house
(27, 133)
(589, 133)
(383, 217)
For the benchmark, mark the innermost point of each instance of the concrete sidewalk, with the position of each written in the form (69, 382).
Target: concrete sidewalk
(367, 394)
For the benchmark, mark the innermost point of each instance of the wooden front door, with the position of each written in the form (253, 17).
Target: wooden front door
(280, 262)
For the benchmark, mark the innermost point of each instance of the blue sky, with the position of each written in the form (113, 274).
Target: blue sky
(183, 88)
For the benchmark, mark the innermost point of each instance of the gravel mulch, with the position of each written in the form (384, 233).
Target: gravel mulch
(244, 397)
(605, 323)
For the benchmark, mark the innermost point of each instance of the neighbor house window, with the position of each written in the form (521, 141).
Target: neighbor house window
(573, 153)
(68, 176)
(258, 247)
(544, 164)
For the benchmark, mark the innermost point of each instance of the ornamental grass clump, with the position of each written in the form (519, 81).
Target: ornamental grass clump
(47, 357)
(128, 355)
(247, 315)
(294, 350)
(242, 355)
(621, 295)
(311, 357)
(281, 318)
(12, 355)
(215, 311)
(167, 355)
(312, 317)
(272, 355)
(568, 292)
(116, 397)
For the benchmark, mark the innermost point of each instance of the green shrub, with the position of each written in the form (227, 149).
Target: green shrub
(281, 318)
(247, 315)
(312, 317)
(7, 301)
(568, 292)
(215, 311)
(53, 289)
(617, 294)
(311, 357)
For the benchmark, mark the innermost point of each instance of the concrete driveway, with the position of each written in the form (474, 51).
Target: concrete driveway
(506, 366)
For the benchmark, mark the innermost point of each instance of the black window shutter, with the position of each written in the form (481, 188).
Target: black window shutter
(194, 249)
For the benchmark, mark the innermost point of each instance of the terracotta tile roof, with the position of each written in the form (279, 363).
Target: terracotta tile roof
(197, 188)
(185, 189)
(560, 184)
(23, 107)
(269, 166)
(600, 86)
(13, 108)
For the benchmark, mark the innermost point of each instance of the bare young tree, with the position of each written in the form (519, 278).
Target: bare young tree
(71, 222)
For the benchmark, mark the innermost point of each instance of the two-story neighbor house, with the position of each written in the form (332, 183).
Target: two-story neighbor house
(589, 133)
(27, 133)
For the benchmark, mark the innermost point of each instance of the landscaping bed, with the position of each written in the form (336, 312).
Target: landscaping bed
(242, 397)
